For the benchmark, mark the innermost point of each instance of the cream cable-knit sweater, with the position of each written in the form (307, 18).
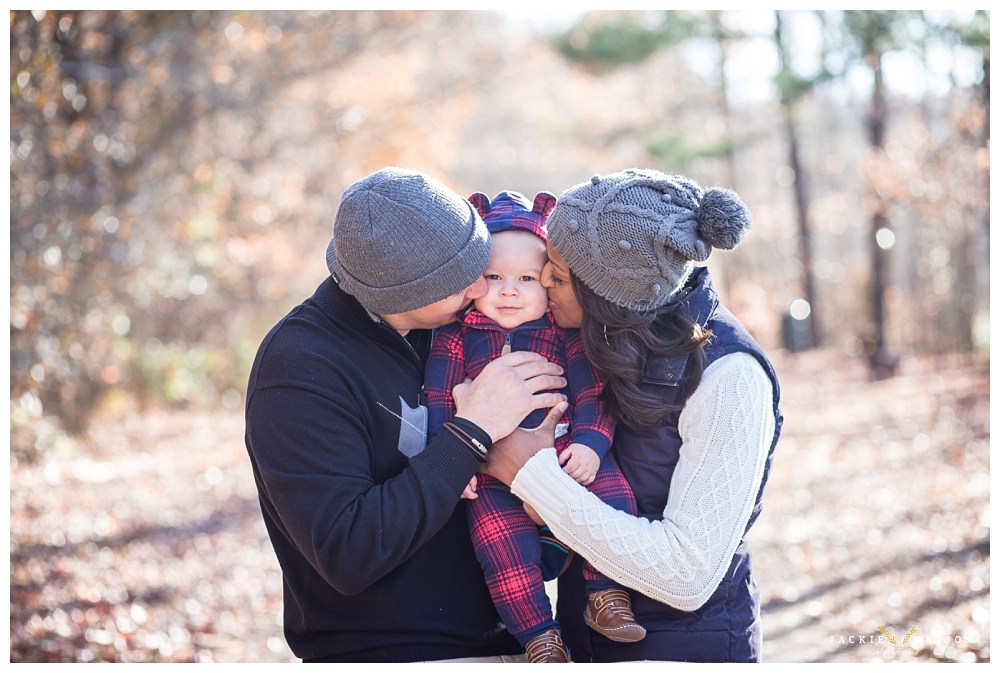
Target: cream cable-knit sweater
(726, 427)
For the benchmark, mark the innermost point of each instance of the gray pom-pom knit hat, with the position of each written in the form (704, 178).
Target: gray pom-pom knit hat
(633, 236)
(402, 240)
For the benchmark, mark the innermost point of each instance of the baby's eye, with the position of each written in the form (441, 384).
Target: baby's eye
(527, 278)
(491, 276)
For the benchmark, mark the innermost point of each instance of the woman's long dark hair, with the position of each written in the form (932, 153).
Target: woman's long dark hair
(619, 342)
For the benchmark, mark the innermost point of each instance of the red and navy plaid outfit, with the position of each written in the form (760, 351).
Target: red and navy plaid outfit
(505, 539)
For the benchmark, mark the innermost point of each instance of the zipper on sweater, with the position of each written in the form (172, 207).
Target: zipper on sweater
(507, 334)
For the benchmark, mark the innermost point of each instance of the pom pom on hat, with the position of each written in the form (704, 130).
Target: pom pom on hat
(722, 218)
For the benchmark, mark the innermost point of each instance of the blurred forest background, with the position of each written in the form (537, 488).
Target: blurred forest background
(174, 177)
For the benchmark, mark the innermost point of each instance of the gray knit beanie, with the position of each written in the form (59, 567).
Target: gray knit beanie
(402, 240)
(632, 236)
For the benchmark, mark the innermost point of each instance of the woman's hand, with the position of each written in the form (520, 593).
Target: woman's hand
(532, 514)
(507, 456)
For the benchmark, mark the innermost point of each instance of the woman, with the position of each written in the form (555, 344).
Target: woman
(697, 402)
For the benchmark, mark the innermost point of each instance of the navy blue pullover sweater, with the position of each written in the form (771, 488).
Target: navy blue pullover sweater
(375, 555)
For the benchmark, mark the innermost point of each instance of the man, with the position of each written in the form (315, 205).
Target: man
(360, 509)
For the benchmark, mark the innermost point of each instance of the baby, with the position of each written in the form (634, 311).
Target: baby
(513, 315)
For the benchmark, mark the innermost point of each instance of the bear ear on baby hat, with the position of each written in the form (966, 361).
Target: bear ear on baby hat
(722, 218)
(481, 203)
(544, 203)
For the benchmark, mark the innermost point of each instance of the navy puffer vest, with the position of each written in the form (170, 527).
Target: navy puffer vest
(727, 626)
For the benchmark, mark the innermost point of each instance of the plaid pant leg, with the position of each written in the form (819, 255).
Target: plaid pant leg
(611, 487)
(509, 550)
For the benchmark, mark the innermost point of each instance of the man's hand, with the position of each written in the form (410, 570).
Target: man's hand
(507, 390)
(509, 455)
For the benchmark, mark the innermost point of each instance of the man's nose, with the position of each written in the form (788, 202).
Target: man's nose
(477, 289)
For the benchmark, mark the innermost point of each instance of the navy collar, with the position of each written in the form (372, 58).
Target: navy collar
(345, 309)
(478, 320)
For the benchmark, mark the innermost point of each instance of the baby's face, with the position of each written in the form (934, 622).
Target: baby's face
(515, 294)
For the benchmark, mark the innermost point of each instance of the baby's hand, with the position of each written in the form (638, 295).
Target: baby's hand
(580, 462)
(470, 491)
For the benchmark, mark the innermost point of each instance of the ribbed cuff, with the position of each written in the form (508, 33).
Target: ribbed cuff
(542, 483)
(449, 459)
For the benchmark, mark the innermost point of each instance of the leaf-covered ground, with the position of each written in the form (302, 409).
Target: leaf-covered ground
(876, 521)
(143, 542)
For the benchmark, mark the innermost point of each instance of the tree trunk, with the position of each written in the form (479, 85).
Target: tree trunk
(986, 143)
(730, 270)
(801, 191)
(883, 364)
